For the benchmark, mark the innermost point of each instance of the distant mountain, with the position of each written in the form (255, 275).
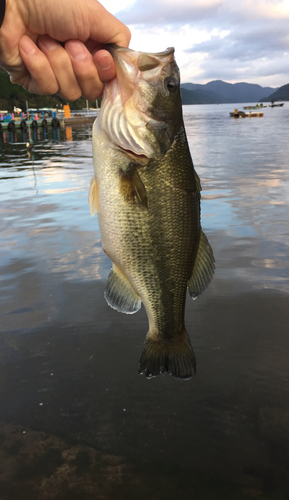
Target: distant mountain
(281, 94)
(222, 92)
(203, 95)
(192, 97)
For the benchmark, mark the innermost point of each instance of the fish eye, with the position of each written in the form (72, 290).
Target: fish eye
(171, 84)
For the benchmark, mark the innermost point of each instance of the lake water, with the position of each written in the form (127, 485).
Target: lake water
(69, 383)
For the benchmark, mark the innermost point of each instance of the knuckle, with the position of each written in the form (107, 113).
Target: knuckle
(44, 79)
(89, 73)
(70, 95)
(75, 96)
(23, 81)
(91, 95)
(49, 88)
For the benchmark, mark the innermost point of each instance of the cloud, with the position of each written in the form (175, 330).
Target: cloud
(247, 45)
(266, 73)
(168, 12)
(216, 39)
(210, 13)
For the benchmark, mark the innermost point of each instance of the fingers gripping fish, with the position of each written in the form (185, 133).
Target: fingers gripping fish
(147, 196)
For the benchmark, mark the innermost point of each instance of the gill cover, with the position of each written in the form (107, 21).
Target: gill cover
(141, 106)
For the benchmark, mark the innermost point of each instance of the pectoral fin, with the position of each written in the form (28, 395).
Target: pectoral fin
(132, 187)
(119, 293)
(204, 268)
(93, 196)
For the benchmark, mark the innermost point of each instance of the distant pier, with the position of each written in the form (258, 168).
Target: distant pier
(45, 117)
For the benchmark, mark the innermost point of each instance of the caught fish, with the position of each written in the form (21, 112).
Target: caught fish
(147, 196)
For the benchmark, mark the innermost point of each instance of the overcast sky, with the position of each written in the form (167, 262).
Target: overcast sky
(229, 40)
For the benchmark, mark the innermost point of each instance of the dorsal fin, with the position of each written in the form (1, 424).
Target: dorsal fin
(204, 268)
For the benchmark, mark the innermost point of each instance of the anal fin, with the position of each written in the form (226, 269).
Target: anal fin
(93, 196)
(204, 268)
(119, 293)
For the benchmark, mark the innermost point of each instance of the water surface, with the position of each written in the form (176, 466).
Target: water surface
(69, 363)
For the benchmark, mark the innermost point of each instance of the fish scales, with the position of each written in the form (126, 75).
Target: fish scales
(174, 208)
(149, 211)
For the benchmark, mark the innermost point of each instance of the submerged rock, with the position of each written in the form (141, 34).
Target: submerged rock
(39, 466)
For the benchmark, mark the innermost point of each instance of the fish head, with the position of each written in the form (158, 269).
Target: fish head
(141, 110)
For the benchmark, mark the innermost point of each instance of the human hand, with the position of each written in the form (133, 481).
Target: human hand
(55, 47)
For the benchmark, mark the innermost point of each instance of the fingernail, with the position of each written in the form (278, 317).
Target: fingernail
(103, 63)
(48, 43)
(27, 45)
(76, 50)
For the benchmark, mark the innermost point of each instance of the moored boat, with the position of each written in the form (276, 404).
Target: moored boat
(35, 118)
(273, 105)
(255, 107)
(242, 114)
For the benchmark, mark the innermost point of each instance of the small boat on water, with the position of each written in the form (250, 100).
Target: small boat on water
(242, 114)
(255, 107)
(273, 105)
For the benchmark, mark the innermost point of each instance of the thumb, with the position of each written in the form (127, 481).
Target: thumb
(108, 29)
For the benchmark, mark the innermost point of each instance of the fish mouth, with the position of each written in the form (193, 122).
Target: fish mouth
(127, 114)
(128, 65)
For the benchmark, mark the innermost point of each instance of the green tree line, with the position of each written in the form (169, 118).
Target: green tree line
(14, 95)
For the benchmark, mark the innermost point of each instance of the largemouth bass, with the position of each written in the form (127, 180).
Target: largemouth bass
(147, 196)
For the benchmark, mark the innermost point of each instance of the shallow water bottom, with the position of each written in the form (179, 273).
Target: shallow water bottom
(40, 465)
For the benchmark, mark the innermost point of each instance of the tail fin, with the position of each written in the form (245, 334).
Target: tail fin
(175, 357)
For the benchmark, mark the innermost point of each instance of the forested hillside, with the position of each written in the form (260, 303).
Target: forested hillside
(14, 95)
(282, 94)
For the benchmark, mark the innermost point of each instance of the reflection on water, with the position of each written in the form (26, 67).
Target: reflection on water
(69, 362)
